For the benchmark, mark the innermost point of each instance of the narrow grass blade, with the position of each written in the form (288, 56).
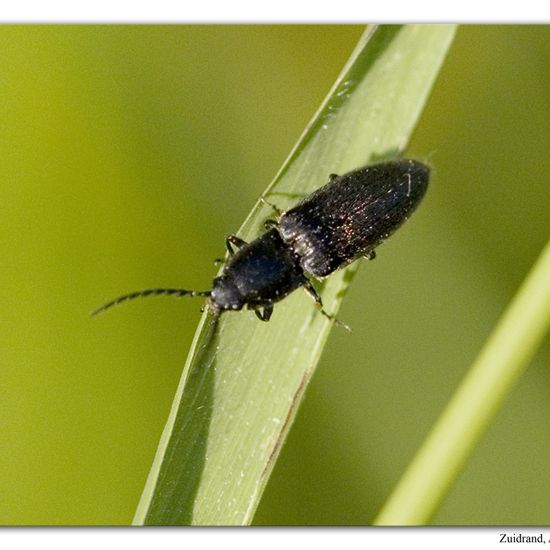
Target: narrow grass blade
(243, 380)
(503, 359)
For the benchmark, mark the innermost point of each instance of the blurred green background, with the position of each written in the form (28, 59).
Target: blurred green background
(127, 153)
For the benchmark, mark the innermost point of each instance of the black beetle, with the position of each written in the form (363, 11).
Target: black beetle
(340, 222)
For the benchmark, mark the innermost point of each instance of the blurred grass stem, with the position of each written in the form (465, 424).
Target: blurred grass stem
(504, 358)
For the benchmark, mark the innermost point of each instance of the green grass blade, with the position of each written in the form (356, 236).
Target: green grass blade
(503, 359)
(243, 380)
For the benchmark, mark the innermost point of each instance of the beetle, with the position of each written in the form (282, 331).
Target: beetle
(342, 221)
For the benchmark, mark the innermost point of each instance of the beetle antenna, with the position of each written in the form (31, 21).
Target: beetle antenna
(177, 292)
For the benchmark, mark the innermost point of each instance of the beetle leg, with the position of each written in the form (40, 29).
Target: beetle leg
(310, 289)
(370, 255)
(235, 241)
(270, 224)
(265, 315)
(332, 177)
(276, 209)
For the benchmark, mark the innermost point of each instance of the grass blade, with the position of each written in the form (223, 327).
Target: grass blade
(243, 380)
(503, 359)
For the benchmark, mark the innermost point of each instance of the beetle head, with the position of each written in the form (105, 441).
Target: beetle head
(225, 295)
